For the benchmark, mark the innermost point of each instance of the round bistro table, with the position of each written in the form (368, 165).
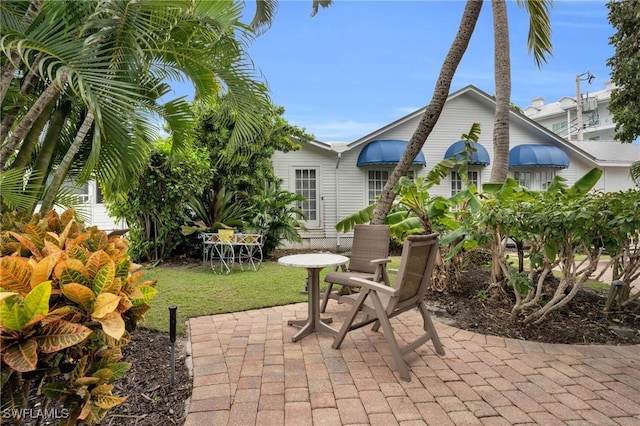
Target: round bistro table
(314, 263)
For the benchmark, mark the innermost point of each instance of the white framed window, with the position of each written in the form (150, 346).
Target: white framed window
(376, 180)
(535, 180)
(306, 184)
(560, 128)
(456, 180)
(79, 193)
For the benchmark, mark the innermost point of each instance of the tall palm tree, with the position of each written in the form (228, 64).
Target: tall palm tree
(112, 60)
(433, 110)
(539, 43)
(502, 73)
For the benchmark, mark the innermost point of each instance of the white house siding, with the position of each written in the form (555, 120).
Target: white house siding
(616, 179)
(320, 234)
(462, 109)
(92, 212)
(352, 184)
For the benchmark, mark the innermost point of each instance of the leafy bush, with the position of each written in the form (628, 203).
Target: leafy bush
(68, 303)
(155, 207)
(274, 214)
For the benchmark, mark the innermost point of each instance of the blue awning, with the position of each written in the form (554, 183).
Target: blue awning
(480, 156)
(386, 152)
(538, 156)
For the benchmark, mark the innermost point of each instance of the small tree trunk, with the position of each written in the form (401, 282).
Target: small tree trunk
(44, 158)
(497, 258)
(560, 299)
(32, 138)
(520, 249)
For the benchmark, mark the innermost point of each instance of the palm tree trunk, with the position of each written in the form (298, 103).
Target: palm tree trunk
(61, 172)
(502, 70)
(32, 138)
(42, 165)
(27, 88)
(433, 110)
(9, 67)
(7, 74)
(51, 92)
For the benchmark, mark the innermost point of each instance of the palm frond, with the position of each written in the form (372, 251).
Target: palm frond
(361, 216)
(14, 193)
(264, 15)
(319, 3)
(539, 38)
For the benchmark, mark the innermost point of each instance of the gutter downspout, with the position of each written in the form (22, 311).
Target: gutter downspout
(337, 198)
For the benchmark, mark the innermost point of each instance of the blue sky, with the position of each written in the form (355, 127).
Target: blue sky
(360, 65)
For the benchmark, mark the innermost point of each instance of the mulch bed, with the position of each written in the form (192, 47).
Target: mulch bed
(580, 322)
(152, 400)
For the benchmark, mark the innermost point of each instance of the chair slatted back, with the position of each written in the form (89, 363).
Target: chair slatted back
(369, 242)
(416, 265)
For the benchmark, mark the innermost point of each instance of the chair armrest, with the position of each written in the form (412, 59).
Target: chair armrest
(372, 285)
(381, 274)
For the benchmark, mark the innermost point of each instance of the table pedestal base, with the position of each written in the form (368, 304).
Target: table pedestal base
(314, 263)
(307, 327)
(313, 321)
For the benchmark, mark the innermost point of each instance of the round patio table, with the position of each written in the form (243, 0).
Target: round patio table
(314, 263)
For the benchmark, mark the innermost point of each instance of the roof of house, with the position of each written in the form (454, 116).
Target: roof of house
(612, 154)
(611, 151)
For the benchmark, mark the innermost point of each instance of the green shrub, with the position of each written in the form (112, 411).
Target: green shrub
(155, 207)
(275, 214)
(68, 303)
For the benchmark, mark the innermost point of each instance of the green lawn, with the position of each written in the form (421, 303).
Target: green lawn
(198, 291)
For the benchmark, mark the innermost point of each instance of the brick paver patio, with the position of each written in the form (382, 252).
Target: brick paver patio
(247, 371)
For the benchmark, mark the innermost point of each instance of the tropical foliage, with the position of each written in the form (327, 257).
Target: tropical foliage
(69, 300)
(242, 190)
(624, 16)
(415, 211)
(155, 206)
(83, 84)
(274, 214)
(211, 187)
(620, 212)
(554, 224)
(248, 168)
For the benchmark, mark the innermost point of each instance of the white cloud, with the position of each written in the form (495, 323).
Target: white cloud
(338, 130)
